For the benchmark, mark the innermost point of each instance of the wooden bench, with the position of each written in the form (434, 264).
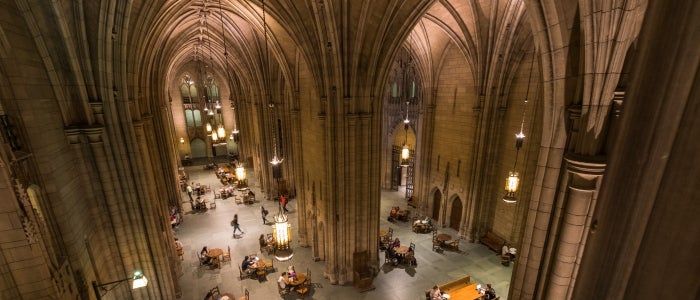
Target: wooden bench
(454, 284)
(412, 202)
(492, 241)
(457, 287)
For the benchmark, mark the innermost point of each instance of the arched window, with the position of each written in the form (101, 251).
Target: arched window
(188, 90)
(193, 118)
(211, 89)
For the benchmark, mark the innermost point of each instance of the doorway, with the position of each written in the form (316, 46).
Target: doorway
(437, 197)
(456, 214)
(198, 148)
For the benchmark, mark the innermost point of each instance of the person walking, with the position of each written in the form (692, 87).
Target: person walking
(235, 225)
(283, 202)
(264, 213)
(180, 249)
(189, 192)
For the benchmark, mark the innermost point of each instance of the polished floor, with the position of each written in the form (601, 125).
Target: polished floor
(212, 229)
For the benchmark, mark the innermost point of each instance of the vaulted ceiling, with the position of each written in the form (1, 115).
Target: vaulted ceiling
(166, 35)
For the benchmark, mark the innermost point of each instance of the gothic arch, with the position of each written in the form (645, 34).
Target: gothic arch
(198, 147)
(435, 204)
(455, 213)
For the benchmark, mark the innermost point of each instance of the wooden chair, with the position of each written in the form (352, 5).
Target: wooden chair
(246, 295)
(302, 291)
(453, 244)
(226, 257)
(282, 291)
(261, 274)
(200, 258)
(436, 243)
(411, 258)
(213, 203)
(270, 266)
(213, 294)
(505, 260)
(242, 274)
(362, 274)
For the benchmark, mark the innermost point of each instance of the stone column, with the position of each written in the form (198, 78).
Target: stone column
(422, 184)
(584, 175)
(645, 243)
(473, 230)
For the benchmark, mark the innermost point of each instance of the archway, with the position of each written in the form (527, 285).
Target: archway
(437, 197)
(199, 148)
(456, 213)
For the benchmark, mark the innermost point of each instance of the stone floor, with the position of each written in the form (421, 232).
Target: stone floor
(212, 229)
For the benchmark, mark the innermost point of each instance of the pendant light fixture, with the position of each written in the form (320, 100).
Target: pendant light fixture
(513, 179)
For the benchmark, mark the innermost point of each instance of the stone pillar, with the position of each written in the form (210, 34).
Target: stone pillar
(422, 185)
(473, 229)
(645, 243)
(584, 176)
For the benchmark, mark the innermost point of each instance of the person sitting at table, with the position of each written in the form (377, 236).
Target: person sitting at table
(437, 294)
(283, 281)
(292, 273)
(511, 253)
(396, 243)
(394, 213)
(204, 256)
(200, 203)
(489, 293)
(246, 263)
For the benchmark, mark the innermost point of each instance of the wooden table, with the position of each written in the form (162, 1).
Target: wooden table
(216, 252)
(259, 264)
(401, 250)
(467, 292)
(383, 234)
(259, 268)
(301, 278)
(443, 237)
